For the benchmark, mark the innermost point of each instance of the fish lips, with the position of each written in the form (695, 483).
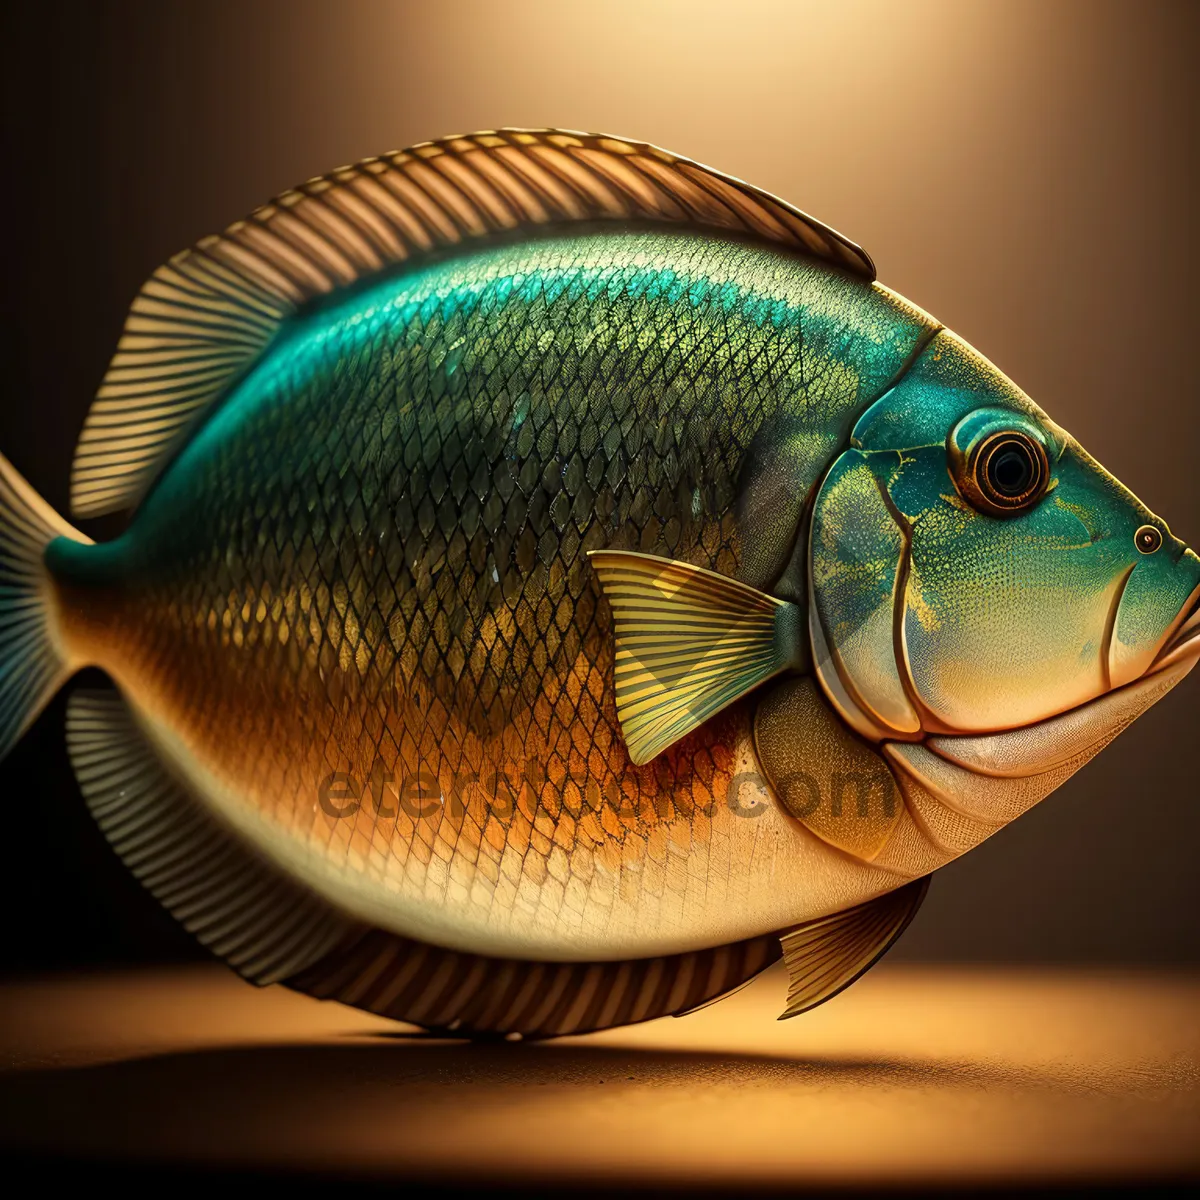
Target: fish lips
(1082, 732)
(1182, 643)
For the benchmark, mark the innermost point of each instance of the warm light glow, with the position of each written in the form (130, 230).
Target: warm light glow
(914, 1075)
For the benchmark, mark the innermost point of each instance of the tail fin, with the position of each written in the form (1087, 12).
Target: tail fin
(32, 666)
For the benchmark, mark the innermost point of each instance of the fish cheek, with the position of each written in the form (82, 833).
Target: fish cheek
(858, 562)
(1004, 619)
(828, 779)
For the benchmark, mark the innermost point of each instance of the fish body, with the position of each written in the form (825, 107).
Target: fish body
(580, 595)
(371, 564)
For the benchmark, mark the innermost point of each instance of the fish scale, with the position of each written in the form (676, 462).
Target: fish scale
(424, 598)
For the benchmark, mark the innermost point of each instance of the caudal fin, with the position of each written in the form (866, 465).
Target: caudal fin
(32, 666)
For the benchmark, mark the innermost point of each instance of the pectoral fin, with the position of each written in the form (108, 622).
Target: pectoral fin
(689, 642)
(827, 955)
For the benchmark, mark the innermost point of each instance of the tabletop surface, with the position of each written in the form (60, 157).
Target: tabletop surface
(914, 1076)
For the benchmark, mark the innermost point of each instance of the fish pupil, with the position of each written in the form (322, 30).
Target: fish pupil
(1010, 470)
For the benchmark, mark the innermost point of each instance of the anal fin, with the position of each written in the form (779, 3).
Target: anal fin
(471, 995)
(827, 955)
(236, 904)
(272, 930)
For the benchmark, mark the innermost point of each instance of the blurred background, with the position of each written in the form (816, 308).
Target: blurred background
(1024, 171)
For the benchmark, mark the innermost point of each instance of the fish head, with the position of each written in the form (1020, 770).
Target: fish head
(973, 570)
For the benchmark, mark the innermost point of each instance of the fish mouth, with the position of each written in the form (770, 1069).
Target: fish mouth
(1183, 641)
(1079, 733)
(1072, 736)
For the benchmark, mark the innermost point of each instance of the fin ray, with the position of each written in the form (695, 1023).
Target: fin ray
(689, 642)
(238, 906)
(272, 930)
(825, 956)
(33, 663)
(471, 994)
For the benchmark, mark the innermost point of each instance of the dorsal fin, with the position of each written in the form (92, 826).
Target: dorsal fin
(202, 318)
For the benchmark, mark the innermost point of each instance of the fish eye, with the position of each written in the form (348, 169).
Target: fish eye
(1147, 539)
(1005, 473)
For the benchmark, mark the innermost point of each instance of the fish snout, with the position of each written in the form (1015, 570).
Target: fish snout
(1155, 600)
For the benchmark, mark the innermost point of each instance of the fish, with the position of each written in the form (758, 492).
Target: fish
(559, 582)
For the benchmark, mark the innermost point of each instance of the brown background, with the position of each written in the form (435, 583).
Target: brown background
(1025, 171)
